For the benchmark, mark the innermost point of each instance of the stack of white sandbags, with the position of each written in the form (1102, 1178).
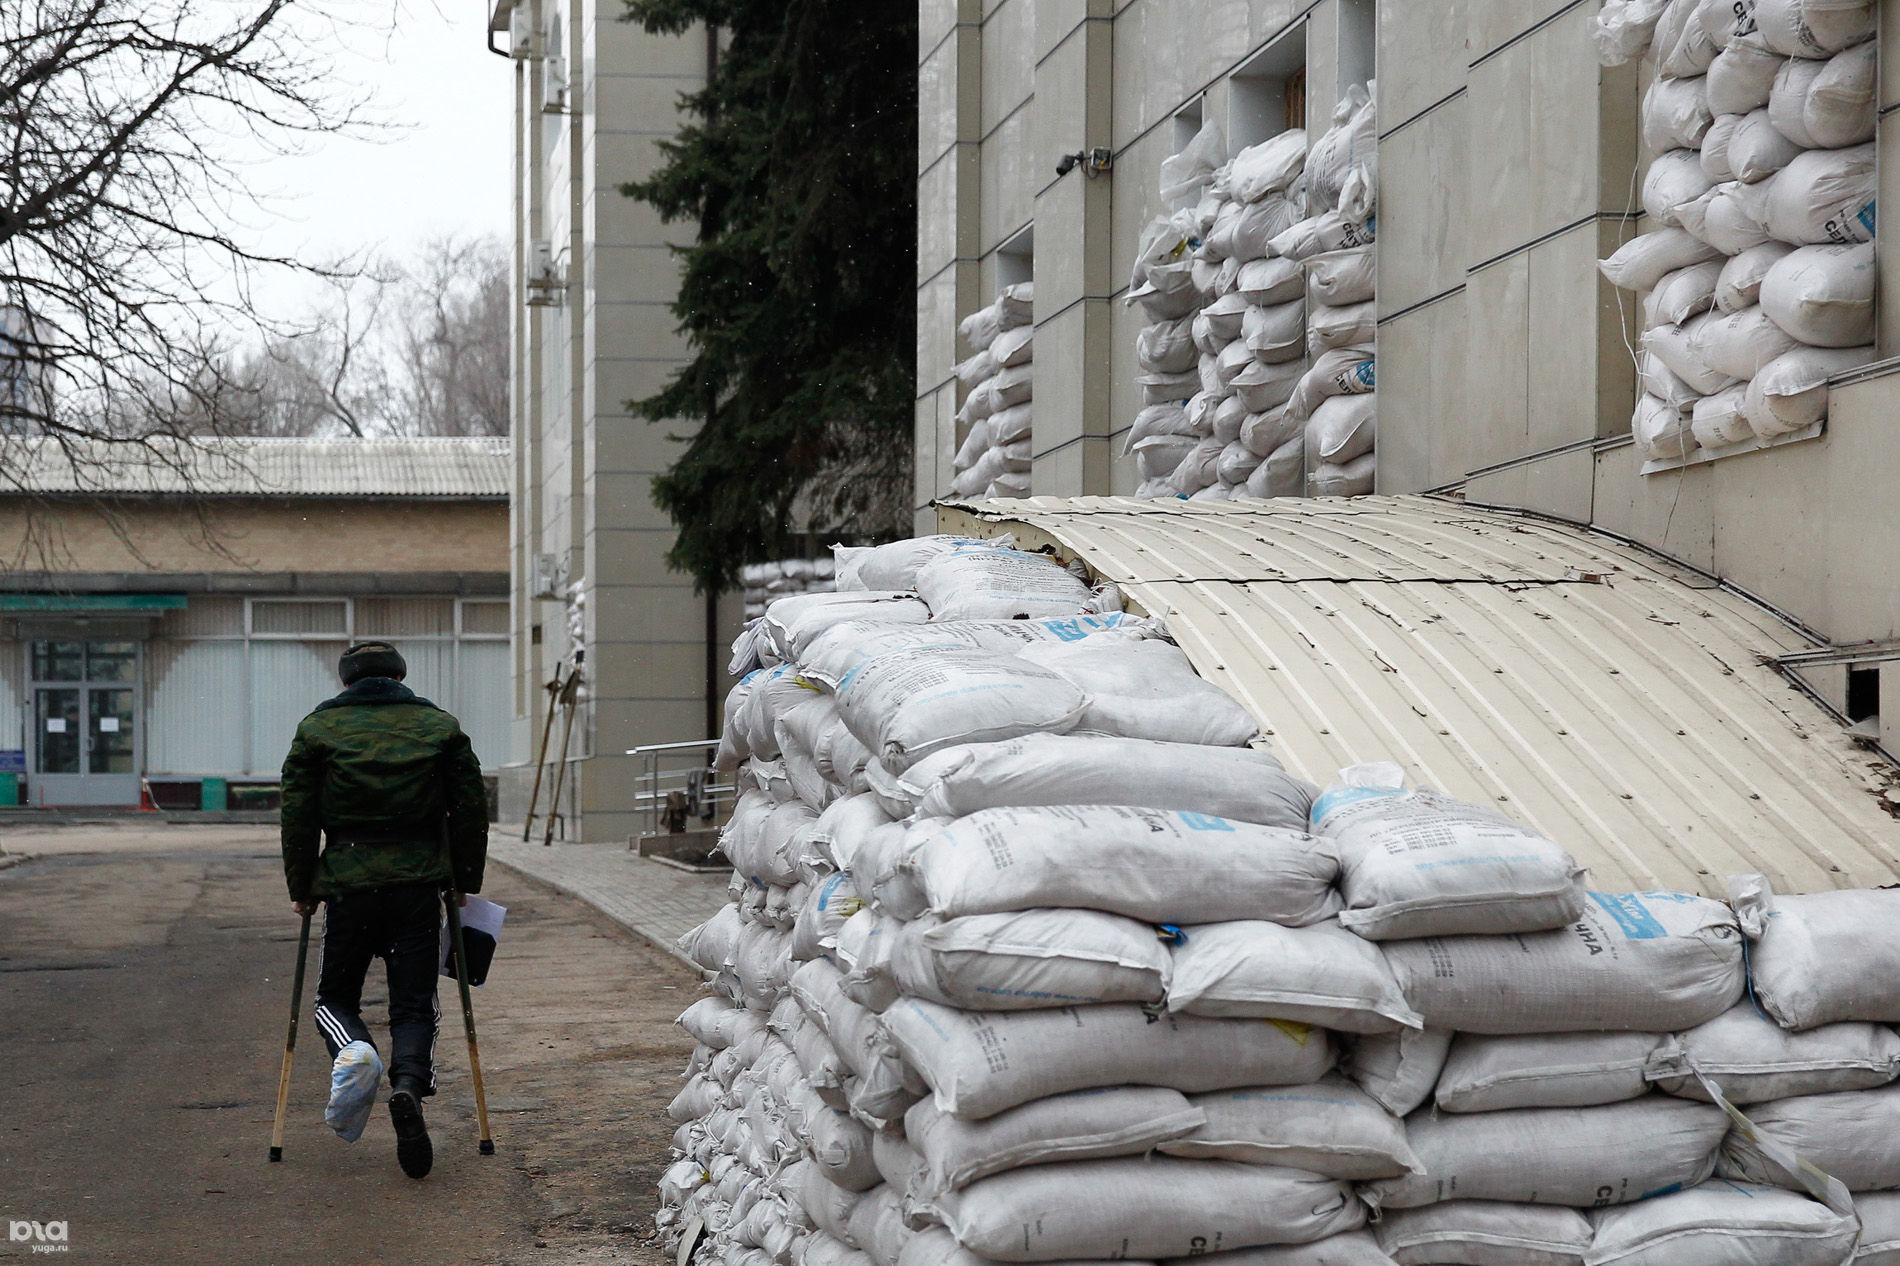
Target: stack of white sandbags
(1757, 270)
(763, 583)
(1333, 406)
(994, 458)
(1241, 350)
(1034, 957)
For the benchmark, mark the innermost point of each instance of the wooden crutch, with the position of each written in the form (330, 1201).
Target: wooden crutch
(290, 1042)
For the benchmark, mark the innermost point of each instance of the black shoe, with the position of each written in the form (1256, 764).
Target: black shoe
(413, 1150)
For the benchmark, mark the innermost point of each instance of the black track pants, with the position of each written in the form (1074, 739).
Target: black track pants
(400, 925)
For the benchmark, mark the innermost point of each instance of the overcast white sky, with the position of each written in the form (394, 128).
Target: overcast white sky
(447, 171)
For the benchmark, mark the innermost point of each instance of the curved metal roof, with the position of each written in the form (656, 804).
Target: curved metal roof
(1616, 701)
(464, 467)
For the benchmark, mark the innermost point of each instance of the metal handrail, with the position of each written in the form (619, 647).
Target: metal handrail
(655, 782)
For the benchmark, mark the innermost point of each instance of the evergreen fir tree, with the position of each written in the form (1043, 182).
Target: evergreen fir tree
(798, 297)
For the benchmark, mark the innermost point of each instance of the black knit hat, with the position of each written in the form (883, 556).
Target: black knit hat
(371, 659)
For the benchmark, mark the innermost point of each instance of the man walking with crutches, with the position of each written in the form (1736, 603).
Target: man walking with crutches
(391, 781)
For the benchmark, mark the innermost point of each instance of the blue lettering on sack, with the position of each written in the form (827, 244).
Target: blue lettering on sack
(1631, 915)
(1202, 822)
(1866, 217)
(1366, 373)
(1340, 797)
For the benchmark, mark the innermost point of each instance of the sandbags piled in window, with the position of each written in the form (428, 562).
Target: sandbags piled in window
(1756, 266)
(763, 582)
(994, 458)
(1227, 342)
(1034, 954)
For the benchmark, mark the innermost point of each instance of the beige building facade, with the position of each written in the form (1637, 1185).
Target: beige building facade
(594, 273)
(1510, 163)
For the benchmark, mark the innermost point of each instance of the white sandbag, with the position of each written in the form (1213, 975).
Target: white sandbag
(1263, 387)
(1262, 433)
(1723, 1224)
(1675, 113)
(893, 566)
(816, 743)
(1277, 333)
(1757, 149)
(981, 1063)
(1659, 381)
(1245, 784)
(1143, 1208)
(1725, 20)
(1742, 77)
(1158, 455)
(1354, 1248)
(1198, 468)
(1319, 974)
(1351, 142)
(1330, 1127)
(1166, 347)
(1682, 294)
(1738, 344)
(1330, 231)
(1640, 263)
(1031, 958)
(1083, 1125)
(1544, 1070)
(1245, 230)
(1011, 425)
(1823, 295)
(1267, 168)
(1753, 1059)
(832, 657)
(1788, 100)
(907, 703)
(1879, 1228)
(1147, 864)
(1328, 328)
(1343, 479)
(827, 905)
(1813, 28)
(1342, 428)
(1674, 177)
(1337, 279)
(1820, 957)
(986, 583)
(1693, 51)
(1676, 346)
(1643, 962)
(1225, 317)
(840, 1147)
(1014, 347)
(1740, 283)
(1012, 387)
(1623, 29)
(1344, 371)
(1397, 1069)
(1841, 107)
(828, 1205)
(1849, 1135)
(897, 1159)
(1790, 393)
(1271, 281)
(1238, 463)
(1824, 196)
(1722, 418)
(1485, 1233)
(1419, 863)
(1283, 474)
(877, 1222)
(1157, 419)
(1723, 217)
(1146, 689)
(1583, 1157)
(1715, 164)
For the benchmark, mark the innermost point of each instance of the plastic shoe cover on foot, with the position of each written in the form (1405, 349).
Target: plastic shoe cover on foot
(354, 1080)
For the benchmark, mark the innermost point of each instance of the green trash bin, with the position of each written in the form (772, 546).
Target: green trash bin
(214, 795)
(9, 791)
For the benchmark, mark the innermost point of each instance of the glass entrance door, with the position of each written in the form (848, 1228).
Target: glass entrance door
(86, 748)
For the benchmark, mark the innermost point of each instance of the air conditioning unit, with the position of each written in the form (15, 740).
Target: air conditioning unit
(554, 70)
(550, 578)
(520, 32)
(546, 283)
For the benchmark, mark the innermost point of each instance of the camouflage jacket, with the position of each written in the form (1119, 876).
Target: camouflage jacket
(392, 781)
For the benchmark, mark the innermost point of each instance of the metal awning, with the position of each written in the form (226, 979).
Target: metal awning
(1624, 705)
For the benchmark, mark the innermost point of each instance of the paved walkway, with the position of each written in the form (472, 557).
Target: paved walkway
(655, 902)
